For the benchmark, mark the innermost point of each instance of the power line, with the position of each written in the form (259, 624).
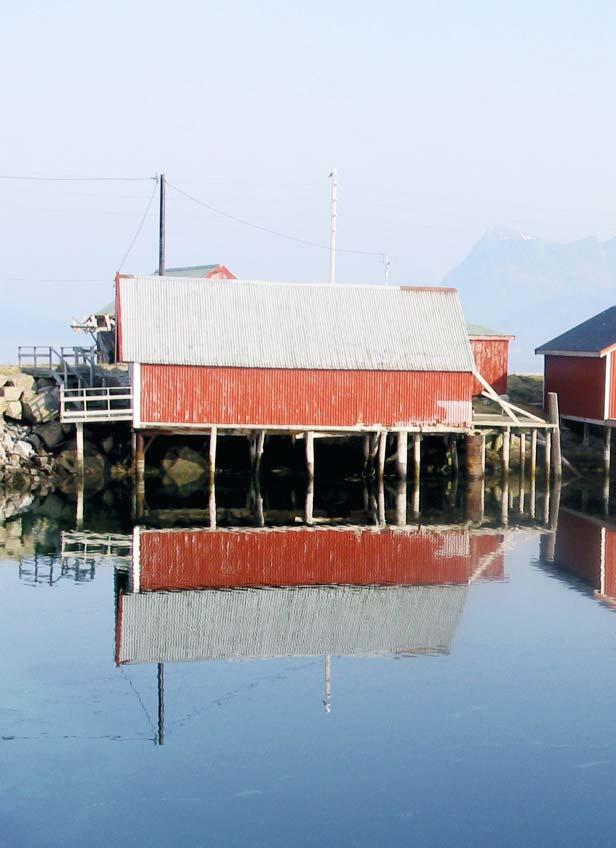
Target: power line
(139, 228)
(272, 232)
(75, 179)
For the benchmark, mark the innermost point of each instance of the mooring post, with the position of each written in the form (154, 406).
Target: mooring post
(506, 450)
(80, 448)
(607, 450)
(416, 456)
(402, 454)
(380, 470)
(556, 456)
(309, 439)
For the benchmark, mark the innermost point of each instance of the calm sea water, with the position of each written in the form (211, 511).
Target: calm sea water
(456, 686)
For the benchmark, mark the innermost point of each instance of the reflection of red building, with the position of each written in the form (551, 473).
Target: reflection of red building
(256, 593)
(584, 546)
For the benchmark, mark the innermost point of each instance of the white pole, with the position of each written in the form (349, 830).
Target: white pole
(332, 232)
(386, 263)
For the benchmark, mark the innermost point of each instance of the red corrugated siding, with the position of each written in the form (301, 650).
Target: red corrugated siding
(487, 550)
(578, 547)
(239, 396)
(492, 360)
(219, 559)
(612, 358)
(579, 382)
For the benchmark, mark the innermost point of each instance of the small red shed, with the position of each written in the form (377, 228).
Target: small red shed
(287, 356)
(491, 352)
(579, 368)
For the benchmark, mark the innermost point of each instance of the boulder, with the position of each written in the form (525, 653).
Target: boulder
(95, 464)
(13, 410)
(183, 465)
(23, 450)
(51, 434)
(25, 382)
(11, 392)
(107, 444)
(42, 406)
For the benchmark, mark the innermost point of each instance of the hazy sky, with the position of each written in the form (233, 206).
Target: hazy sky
(443, 119)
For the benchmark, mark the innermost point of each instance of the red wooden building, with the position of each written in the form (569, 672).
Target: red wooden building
(579, 367)
(293, 357)
(491, 352)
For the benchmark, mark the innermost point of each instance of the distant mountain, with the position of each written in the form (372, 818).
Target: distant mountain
(535, 289)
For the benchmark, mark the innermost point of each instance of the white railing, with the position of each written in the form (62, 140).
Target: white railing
(77, 362)
(108, 403)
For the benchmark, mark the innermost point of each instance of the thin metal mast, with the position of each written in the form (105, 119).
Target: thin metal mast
(332, 232)
(161, 228)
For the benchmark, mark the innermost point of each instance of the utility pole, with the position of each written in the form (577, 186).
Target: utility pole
(332, 232)
(161, 228)
(160, 680)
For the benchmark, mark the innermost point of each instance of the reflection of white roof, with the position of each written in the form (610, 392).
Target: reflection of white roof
(261, 623)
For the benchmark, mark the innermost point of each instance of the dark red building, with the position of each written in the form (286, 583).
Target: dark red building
(491, 352)
(579, 368)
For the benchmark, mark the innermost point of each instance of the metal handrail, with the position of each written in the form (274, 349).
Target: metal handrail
(71, 361)
(96, 404)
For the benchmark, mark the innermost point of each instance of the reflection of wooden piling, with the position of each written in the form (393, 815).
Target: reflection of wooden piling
(401, 503)
(402, 454)
(453, 448)
(309, 508)
(506, 450)
(380, 468)
(606, 494)
(212, 503)
(139, 475)
(532, 507)
(327, 700)
(416, 498)
(586, 434)
(475, 455)
(556, 456)
(212, 455)
(505, 501)
(80, 502)
(366, 451)
(161, 703)
(381, 498)
(473, 500)
(256, 442)
(309, 439)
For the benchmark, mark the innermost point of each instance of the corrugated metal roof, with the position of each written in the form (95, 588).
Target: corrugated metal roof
(480, 330)
(289, 325)
(591, 336)
(214, 624)
(190, 270)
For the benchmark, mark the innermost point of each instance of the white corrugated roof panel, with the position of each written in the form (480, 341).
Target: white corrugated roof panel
(184, 321)
(212, 624)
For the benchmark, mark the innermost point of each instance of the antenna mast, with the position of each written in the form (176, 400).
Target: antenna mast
(332, 231)
(161, 228)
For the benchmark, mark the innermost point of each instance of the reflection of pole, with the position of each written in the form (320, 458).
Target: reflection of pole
(401, 503)
(327, 701)
(161, 703)
(381, 498)
(80, 499)
(212, 503)
(310, 501)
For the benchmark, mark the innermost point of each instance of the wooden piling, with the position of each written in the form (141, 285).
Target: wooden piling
(366, 451)
(453, 447)
(607, 450)
(309, 507)
(554, 418)
(416, 456)
(416, 498)
(402, 454)
(212, 456)
(381, 496)
(586, 434)
(505, 501)
(309, 439)
(522, 452)
(548, 453)
(80, 448)
(475, 455)
(257, 442)
(533, 453)
(212, 502)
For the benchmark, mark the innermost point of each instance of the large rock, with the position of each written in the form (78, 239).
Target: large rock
(11, 392)
(42, 406)
(13, 410)
(23, 450)
(51, 433)
(183, 465)
(95, 464)
(14, 377)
